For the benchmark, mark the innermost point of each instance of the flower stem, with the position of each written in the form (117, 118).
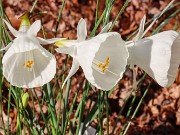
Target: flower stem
(59, 16)
(136, 110)
(119, 14)
(107, 112)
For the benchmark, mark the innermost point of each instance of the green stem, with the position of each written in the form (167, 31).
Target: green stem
(97, 8)
(131, 105)
(1, 106)
(100, 109)
(85, 94)
(65, 114)
(51, 107)
(72, 106)
(59, 16)
(136, 110)
(93, 32)
(119, 14)
(8, 110)
(42, 114)
(107, 112)
(121, 110)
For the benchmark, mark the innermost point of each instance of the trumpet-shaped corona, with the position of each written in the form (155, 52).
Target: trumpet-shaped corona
(157, 55)
(103, 58)
(26, 63)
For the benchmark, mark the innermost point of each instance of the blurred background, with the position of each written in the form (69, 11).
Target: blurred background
(159, 113)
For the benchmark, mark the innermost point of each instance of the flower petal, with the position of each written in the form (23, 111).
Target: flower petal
(81, 30)
(141, 29)
(71, 50)
(73, 70)
(158, 56)
(106, 28)
(21, 44)
(6, 47)
(12, 30)
(34, 28)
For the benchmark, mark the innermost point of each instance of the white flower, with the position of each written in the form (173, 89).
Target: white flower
(26, 63)
(157, 55)
(67, 47)
(103, 58)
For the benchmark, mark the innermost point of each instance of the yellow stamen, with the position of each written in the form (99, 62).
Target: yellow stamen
(29, 64)
(104, 66)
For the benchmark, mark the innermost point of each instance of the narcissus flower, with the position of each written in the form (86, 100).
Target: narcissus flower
(157, 55)
(103, 58)
(26, 63)
(67, 47)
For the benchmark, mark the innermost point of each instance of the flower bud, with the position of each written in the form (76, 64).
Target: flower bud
(25, 99)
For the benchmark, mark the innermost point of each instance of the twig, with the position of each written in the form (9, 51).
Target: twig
(34, 4)
(119, 14)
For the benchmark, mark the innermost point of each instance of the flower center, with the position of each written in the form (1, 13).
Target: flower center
(29, 64)
(102, 67)
(29, 61)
